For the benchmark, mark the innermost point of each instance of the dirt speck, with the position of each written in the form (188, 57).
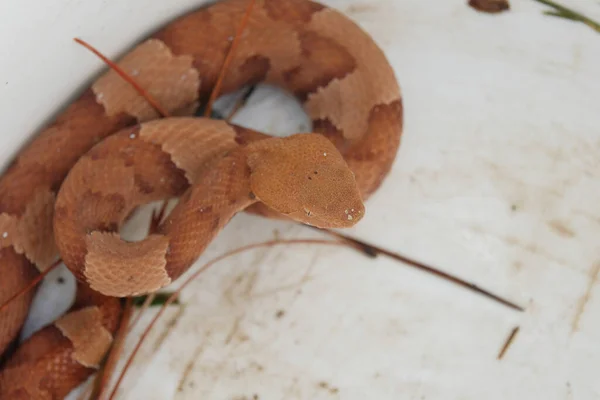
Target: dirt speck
(593, 278)
(514, 207)
(490, 6)
(517, 265)
(326, 386)
(569, 391)
(561, 228)
(60, 280)
(244, 397)
(279, 314)
(169, 325)
(257, 366)
(235, 329)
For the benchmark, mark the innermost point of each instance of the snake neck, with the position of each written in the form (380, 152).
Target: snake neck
(222, 190)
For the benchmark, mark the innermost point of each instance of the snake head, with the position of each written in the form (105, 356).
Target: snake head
(305, 177)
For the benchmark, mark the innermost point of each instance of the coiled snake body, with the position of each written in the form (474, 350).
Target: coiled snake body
(70, 189)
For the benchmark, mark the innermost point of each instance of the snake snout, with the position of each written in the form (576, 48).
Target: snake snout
(305, 177)
(354, 214)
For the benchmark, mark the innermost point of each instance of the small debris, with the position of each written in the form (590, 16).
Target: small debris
(561, 11)
(243, 397)
(279, 314)
(373, 251)
(508, 342)
(326, 386)
(5, 235)
(159, 300)
(490, 6)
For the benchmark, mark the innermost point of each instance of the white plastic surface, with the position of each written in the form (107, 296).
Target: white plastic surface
(497, 181)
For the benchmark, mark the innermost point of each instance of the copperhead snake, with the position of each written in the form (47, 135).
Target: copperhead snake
(70, 189)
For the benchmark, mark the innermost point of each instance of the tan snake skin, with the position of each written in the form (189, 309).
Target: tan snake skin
(68, 192)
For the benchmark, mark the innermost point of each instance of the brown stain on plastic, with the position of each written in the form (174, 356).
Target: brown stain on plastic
(561, 228)
(593, 278)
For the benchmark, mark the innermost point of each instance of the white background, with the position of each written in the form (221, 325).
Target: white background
(497, 181)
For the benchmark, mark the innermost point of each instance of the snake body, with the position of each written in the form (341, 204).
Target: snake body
(69, 191)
